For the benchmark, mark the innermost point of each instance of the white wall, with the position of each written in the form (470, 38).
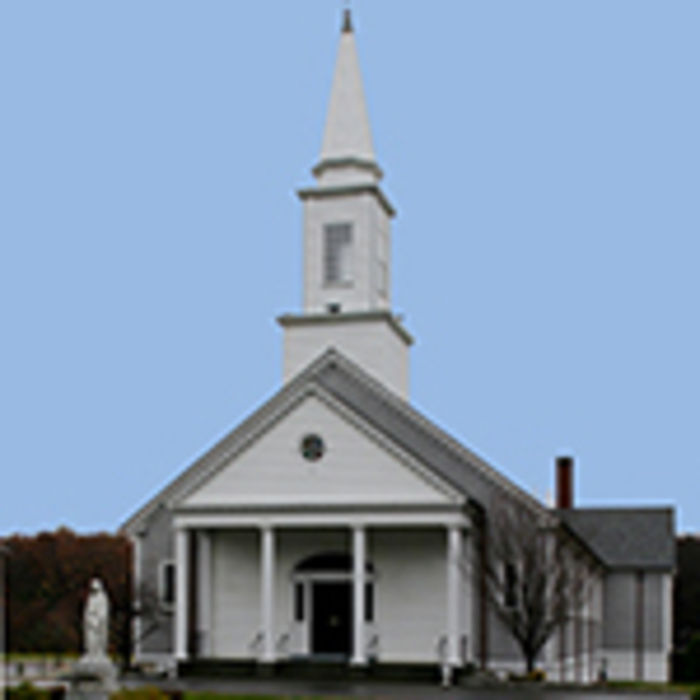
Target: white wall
(410, 589)
(620, 636)
(354, 469)
(235, 615)
(373, 344)
(369, 221)
(621, 665)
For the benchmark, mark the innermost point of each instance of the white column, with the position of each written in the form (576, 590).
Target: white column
(454, 564)
(204, 592)
(358, 595)
(181, 597)
(267, 593)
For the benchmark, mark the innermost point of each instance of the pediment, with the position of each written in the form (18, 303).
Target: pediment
(358, 465)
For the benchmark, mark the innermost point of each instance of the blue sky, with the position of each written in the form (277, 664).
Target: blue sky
(544, 158)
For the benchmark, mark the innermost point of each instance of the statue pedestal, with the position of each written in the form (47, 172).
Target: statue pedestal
(93, 678)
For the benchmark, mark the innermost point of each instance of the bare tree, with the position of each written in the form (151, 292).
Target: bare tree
(534, 573)
(150, 613)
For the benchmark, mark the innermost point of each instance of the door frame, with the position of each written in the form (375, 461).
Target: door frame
(307, 579)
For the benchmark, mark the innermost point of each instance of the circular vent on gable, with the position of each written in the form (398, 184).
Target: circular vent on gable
(312, 447)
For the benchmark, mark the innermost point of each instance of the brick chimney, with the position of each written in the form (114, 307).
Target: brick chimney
(565, 482)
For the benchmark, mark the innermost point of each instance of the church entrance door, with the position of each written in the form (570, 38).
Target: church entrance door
(331, 618)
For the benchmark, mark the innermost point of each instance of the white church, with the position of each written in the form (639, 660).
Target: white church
(337, 525)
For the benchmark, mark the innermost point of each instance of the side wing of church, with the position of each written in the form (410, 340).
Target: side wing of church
(337, 523)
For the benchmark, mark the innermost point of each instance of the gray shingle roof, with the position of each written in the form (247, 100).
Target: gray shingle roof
(626, 538)
(620, 538)
(386, 412)
(397, 419)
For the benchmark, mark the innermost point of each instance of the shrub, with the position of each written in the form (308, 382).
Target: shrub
(27, 691)
(692, 659)
(146, 692)
(537, 674)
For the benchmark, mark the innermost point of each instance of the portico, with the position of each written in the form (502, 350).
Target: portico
(345, 566)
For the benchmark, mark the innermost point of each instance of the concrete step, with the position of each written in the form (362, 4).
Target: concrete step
(317, 668)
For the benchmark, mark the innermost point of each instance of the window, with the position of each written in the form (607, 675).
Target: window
(510, 585)
(337, 254)
(166, 583)
(312, 447)
(299, 602)
(369, 602)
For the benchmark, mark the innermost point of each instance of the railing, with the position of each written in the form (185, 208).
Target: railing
(373, 647)
(282, 645)
(256, 643)
(445, 667)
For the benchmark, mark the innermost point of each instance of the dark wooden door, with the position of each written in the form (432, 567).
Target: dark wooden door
(332, 618)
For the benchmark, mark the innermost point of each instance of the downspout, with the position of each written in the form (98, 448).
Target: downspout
(193, 595)
(639, 627)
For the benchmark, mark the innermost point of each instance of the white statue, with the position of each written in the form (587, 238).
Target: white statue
(96, 621)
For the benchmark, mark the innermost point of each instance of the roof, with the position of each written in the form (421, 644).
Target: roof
(626, 538)
(416, 434)
(621, 538)
(373, 402)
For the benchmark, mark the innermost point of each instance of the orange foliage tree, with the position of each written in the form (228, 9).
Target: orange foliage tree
(47, 583)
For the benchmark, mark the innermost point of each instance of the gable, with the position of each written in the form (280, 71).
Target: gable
(358, 466)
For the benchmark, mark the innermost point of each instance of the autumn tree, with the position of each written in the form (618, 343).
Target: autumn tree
(48, 577)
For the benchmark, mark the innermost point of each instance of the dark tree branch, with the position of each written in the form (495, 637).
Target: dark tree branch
(537, 575)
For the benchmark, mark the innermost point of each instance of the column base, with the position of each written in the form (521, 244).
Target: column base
(266, 669)
(358, 671)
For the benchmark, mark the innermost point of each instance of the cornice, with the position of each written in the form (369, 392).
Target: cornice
(288, 320)
(349, 162)
(348, 191)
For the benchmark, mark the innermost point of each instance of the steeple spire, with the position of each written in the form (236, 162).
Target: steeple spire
(347, 139)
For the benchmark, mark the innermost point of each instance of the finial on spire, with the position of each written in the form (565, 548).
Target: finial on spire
(347, 20)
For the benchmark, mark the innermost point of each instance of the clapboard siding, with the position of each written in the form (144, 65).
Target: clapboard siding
(411, 608)
(156, 547)
(410, 590)
(622, 665)
(369, 221)
(236, 593)
(372, 344)
(355, 469)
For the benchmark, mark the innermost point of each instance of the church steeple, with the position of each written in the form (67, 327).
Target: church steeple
(347, 243)
(347, 152)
